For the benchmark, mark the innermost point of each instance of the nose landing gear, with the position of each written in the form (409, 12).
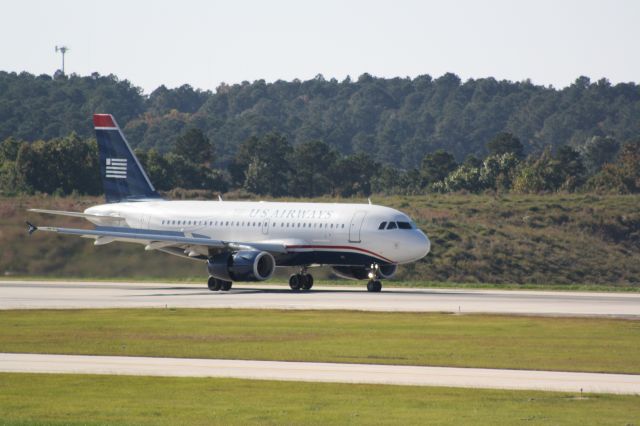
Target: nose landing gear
(374, 285)
(301, 280)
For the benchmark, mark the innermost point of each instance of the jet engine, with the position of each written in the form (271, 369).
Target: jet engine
(387, 271)
(244, 265)
(362, 273)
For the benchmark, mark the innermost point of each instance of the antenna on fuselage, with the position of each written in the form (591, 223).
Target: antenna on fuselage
(219, 197)
(369, 200)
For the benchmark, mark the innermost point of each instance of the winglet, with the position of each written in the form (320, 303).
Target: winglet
(32, 228)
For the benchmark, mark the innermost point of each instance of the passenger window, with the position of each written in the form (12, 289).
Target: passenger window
(404, 225)
(392, 225)
(382, 225)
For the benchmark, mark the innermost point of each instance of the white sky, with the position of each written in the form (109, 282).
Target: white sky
(204, 43)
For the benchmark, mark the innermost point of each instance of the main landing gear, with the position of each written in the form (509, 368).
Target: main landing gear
(216, 284)
(374, 285)
(301, 281)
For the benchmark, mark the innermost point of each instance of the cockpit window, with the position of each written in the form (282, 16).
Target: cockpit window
(391, 225)
(404, 225)
(382, 225)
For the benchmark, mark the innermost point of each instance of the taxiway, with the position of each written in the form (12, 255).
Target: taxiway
(324, 372)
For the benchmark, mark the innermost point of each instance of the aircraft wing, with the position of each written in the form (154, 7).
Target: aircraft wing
(193, 245)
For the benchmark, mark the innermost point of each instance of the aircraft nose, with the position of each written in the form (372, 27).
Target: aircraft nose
(420, 245)
(424, 244)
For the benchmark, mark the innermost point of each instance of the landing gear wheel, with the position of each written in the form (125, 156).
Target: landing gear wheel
(294, 282)
(225, 285)
(374, 286)
(307, 281)
(213, 284)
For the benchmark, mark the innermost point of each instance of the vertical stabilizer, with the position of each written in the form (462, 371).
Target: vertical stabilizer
(122, 175)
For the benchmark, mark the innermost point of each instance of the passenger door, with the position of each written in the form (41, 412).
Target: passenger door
(356, 226)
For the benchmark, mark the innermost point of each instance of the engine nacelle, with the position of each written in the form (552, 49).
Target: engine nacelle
(244, 265)
(387, 271)
(362, 273)
(351, 272)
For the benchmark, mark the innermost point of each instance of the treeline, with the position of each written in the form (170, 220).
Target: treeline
(271, 165)
(395, 122)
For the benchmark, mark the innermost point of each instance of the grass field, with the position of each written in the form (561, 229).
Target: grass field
(572, 344)
(89, 400)
(512, 239)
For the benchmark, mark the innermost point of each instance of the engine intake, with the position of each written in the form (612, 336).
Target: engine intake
(244, 265)
(387, 271)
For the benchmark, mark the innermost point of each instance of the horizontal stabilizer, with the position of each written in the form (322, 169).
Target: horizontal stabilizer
(102, 218)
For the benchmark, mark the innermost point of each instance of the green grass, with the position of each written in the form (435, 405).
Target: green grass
(93, 400)
(573, 344)
(553, 239)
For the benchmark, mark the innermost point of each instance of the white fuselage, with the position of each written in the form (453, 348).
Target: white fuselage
(338, 230)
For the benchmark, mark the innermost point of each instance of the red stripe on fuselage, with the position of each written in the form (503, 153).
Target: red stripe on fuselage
(103, 120)
(342, 248)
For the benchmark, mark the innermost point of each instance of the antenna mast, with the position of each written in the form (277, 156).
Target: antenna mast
(63, 50)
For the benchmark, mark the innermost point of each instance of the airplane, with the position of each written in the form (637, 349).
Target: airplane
(243, 241)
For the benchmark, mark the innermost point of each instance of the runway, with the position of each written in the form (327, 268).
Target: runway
(324, 372)
(77, 295)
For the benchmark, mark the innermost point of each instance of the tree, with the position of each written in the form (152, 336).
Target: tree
(311, 163)
(622, 176)
(539, 174)
(463, 178)
(352, 175)
(437, 165)
(598, 151)
(189, 175)
(504, 143)
(9, 149)
(571, 168)
(497, 171)
(267, 159)
(194, 146)
(60, 165)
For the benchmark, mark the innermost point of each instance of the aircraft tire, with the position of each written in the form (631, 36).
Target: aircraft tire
(307, 281)
(374, 286)
(213, 284)
(294, 282)
(226, 285)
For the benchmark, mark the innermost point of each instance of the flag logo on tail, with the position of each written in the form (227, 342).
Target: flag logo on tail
(116, 168)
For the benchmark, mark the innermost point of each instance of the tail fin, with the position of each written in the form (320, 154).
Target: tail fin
(122, 175)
